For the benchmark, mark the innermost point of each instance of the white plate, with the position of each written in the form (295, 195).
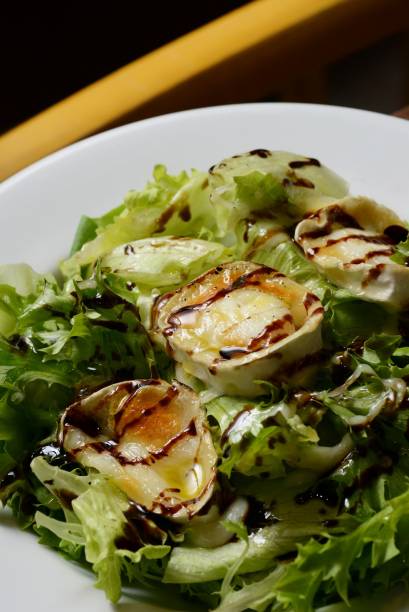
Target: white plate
(40, 208)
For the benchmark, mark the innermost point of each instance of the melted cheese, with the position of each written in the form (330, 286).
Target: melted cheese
(238, 323)
(150, 438)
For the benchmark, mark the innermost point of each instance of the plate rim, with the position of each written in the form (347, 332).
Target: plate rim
(47, 164)
(108, 134)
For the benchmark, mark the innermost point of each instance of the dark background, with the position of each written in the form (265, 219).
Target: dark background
(49, 53)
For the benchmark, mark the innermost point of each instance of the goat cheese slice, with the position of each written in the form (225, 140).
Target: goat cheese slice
(237, 324)
(148, 436)
(352, 242)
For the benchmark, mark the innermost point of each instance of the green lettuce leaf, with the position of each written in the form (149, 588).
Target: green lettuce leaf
(387, 354)
(21, 277)
(96, 521)
(259, 191)
(60, 342)
(269, 438)
(100, 511)
(276, 181)
(238, 529)
(168, 205)
(163, 262)
(380, 348)
(363, 396)
(194, 565)
(333, 564)
(253, 595)
(401, 254)
(288, 259)
(338, 567)
(19, 285)
(86, 231)
(348, 319)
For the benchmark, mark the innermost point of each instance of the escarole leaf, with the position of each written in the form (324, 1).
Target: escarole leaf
(20, 277)
(194, 565)
(380, 348)
(239, 530)
(387, 354)
(324, 570)
(361, 398)
(58, 341)
(57, 479)
(32, 394)
(333, 564)
(348, 318)
(268, 438)
(259, 190)
(19, 285)
(67, 531)
(163, 262)
(401, 253)
(168, 205)
(256, 595)
(140, 270)
(86, 231)
(101, 513)
(96, 522)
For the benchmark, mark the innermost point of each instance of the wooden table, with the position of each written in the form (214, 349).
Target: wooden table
(403, 112)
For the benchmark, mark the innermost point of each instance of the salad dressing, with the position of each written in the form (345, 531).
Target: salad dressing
(298, 181)
(311, 161)
(335, 217)
(185, 213)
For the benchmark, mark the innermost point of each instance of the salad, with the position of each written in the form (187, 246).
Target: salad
(212, 394)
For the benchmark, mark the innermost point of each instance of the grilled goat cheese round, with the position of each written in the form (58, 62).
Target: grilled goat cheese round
(237, 324)
(351, 242)
(150, 437)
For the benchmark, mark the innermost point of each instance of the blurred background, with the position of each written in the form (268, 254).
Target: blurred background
(52, 53)
(345, 52)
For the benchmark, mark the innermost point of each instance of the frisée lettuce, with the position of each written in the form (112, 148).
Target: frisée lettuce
(212, 397)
